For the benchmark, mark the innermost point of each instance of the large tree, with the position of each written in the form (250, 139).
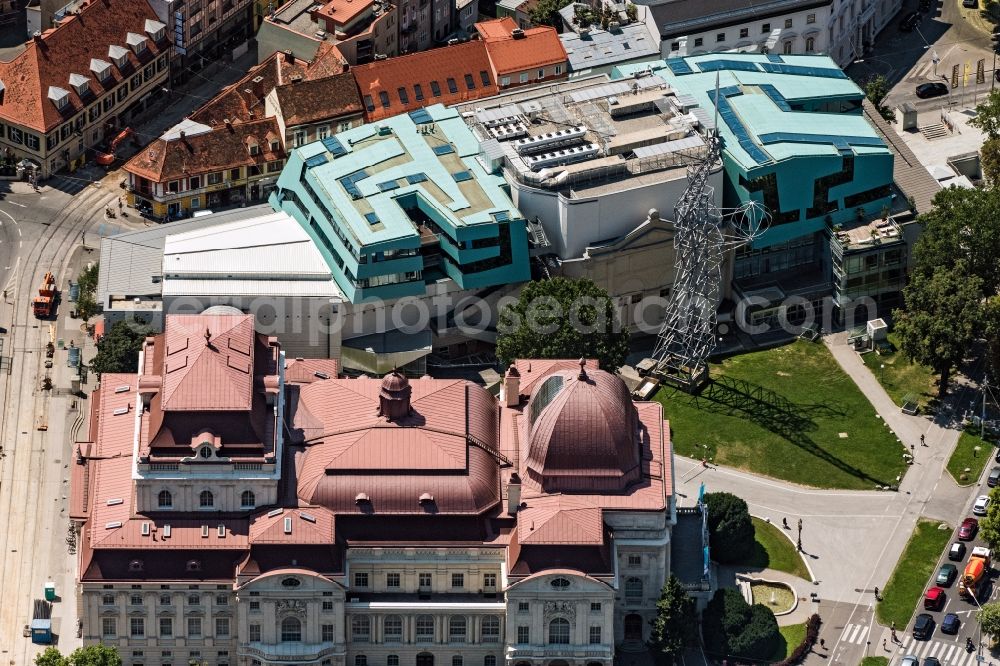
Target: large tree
(989, 619)
(988, 115)
(876, 90)
(562, 318)
(50, 657)
(989, 158)
(942, 319)
(674, 624)
(730, 530)
(95, 655)
(118, 350)
(86, 303)
(733, 628)
(546, 12)
(989, 525)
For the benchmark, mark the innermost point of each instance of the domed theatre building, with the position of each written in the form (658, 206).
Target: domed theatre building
(238, 507)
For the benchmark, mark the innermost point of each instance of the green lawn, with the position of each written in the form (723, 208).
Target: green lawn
(966, 457)
(875, 661)
(790, 413)
(914, 568)
(774, 551)
(900, 376)
(791, 637)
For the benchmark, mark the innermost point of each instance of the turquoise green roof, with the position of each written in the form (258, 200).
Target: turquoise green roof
(394, 159)
(762, 92)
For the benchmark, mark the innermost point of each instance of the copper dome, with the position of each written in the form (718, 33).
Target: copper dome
(394, 396)
(583, 433)
(394, 383)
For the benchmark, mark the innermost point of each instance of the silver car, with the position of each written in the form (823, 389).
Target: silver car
(909, 660)
(981, 505)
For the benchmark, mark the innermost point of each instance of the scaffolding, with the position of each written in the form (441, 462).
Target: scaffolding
(703, 234)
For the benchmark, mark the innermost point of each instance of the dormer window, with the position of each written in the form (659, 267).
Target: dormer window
(118, 55)
(135, 565)
(80, 83)
(59, 97)
(136, 42)
(193, 565)
(101, 69)
(155, 30)
(205, 452)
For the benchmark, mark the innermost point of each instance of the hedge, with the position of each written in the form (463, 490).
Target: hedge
(806, 646)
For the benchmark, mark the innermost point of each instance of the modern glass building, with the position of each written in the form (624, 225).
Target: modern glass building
(399, 204)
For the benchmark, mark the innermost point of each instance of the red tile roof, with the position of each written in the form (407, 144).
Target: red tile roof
(209, 363)
(308, 525)
(304, 371)
(342, 12)
(450, 67)
(68, 49)
(537, 48)
(317, 100)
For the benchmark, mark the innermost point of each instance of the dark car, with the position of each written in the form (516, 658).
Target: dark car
(931, 89)
(926, 5)
(969, 4)
(923, 627)
(949, 624)
(931, 661)
(946, 574)
(967, 532)
(994, 478)
(957, 552)
(910, 21)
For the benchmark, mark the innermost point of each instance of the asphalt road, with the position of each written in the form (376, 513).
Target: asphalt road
(950, 649)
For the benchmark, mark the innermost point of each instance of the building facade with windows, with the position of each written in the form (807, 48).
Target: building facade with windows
(399, 205)
(526, 538)
(76, 86)
(523, 57)
(842, 29)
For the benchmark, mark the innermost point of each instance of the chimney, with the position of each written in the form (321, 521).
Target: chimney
(517, 33)
(183, 134)
(583, 369)
(37, 37)
(511, 389)
(229, 124)
(289, 56)
(208, 338)
(513, 494)
(258, 86)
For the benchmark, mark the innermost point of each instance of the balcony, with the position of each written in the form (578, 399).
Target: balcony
(290, 652)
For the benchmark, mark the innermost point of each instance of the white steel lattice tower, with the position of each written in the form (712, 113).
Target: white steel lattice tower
(703, 234)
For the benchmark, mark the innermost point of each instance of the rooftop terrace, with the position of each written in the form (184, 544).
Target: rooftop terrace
(771, 108)
(589, 133)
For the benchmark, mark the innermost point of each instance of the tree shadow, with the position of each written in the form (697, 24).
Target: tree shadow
(773, 412)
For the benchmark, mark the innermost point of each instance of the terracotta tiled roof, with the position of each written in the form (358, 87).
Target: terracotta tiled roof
(539, 47)
(209, 363)
(320, 99)
(219, 149)
(342, 12)
(304, 371)
(67, 50)
(308, 525)
(560, 519)
(464, 68)
(185, 534)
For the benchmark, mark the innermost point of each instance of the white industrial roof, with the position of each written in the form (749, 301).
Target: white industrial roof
(252, 288)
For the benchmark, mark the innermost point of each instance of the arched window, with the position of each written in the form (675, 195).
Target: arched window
(165, 500)
(559, 583)
(489, 629)
(456, 629)
(392, 660)
(633, 589)
(810, 44)
(425, 628)
(787, 48)
(361, 628)
(456, 660)
(290, 582)
(559, 631)
(206, 500)
(360, 660)
(247, 499)
(489, 660)
(291, 630)
(392, 628)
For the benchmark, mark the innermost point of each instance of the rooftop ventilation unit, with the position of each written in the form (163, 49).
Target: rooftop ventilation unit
(533, 143)
(321, 375)
(564, 156)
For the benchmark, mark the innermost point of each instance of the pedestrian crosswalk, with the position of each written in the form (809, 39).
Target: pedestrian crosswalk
(855, 633)
(948, 652)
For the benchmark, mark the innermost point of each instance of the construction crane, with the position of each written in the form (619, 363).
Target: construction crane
(703, 234)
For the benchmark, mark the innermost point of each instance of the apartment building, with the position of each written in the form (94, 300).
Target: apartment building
(842, 29)
(523, 57)
(76, 86)
(231, 150)
(523, 539)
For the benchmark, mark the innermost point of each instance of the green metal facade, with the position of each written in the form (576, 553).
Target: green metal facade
(794, 136)
(395, 205)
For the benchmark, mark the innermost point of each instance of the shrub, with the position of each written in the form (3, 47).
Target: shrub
(733, 628)
(730, 529)
(806, 646)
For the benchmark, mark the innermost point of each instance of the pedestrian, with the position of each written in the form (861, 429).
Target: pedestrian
(922, 442)
(120, 205)
(884, 647)
(893, 626)
(784, 521)
(876, 596)
(822, 643)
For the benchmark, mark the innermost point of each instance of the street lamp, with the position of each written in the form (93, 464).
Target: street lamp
(979, 644)
(881, 373)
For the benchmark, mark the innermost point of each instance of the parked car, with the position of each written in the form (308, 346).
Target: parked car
(931, 89)
(910, 660)
(934, 599)
(931, 661)
(994, 478)
(957, 552)
(968, 529)
(923, 627)
(969, 4)
(926, 5)
(950, 623)
(910, 21)
(946, 574)
(982, 505)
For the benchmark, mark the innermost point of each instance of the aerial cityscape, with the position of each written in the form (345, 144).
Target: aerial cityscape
(499, 332)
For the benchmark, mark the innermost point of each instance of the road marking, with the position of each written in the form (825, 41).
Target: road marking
(14, 203)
